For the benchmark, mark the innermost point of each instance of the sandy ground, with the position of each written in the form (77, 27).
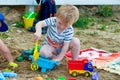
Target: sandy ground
(19, 39)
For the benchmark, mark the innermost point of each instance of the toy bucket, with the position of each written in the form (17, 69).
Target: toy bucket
(28, 19)
(28, 22)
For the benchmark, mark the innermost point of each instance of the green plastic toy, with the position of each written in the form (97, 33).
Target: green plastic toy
(61, 78)
(29, 15)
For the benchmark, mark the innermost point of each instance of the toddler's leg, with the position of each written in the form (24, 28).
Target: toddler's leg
(4, 49)
(47, 51)
(75, 48)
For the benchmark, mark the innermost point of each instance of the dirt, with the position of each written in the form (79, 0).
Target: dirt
(19, 39)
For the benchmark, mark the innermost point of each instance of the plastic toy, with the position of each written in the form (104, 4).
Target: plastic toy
(38, 78)
(61, 78)
(36, 53)
(82, 66)
(95, 76)
(44, 63)
(30, 15)
(34, 65)
(28, 19)
(9, 74)
(25, 54)
(2, 77)
(71, 79)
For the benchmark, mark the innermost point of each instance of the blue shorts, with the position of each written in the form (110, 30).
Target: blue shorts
(58, 50)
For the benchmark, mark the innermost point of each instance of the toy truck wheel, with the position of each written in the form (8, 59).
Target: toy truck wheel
(34, 66)
(74, 74)
(87, 74)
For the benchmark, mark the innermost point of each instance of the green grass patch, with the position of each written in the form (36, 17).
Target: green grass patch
(7, 33)
(117, 30)
(4, 35)
(103, 27)
(105, 11)
(83, 22)
(19, 24)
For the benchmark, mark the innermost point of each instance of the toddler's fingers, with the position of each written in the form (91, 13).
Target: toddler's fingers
(36, 38)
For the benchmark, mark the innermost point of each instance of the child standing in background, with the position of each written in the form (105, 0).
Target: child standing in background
(46, 9)
(59, 38)
(3, 48)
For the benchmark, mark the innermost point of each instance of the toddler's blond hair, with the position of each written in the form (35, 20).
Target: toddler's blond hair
(69, 14)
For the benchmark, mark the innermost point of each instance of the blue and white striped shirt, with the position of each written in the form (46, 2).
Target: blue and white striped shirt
(53, 34)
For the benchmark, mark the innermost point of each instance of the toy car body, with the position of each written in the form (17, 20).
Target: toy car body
(44, 63)
(83, 66)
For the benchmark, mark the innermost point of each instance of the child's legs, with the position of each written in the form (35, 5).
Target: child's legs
(4, 49)
(47, 51)
(75, 48)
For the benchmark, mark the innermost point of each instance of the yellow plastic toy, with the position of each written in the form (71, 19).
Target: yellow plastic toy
(36, 53)
(28, 19)
(12, 64)
(28, 22)
(34, 66)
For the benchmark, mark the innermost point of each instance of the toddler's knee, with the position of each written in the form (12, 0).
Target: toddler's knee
(76, 42)
(44, 53)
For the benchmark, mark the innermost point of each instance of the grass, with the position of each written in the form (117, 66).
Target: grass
(117, 30)
(83, 22)
(78, 32)
(103, 27)
(4, 35)
(105, 11)
(19, 24)
(7, 33)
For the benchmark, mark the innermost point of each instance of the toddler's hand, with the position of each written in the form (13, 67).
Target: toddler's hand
(36, 36)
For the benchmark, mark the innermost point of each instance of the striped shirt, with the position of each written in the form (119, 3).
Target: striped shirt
(52, 33)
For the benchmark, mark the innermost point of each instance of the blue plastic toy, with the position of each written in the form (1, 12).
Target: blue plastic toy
(95, 76)
(9, 74)
(44, 63)
(2, 77)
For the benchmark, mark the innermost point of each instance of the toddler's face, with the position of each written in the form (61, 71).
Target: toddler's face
(61, 24)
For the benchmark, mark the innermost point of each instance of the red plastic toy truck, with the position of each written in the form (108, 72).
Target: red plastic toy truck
(71, 79)
(82, 66)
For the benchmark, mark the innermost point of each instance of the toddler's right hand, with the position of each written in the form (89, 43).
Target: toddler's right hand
(36, 36)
